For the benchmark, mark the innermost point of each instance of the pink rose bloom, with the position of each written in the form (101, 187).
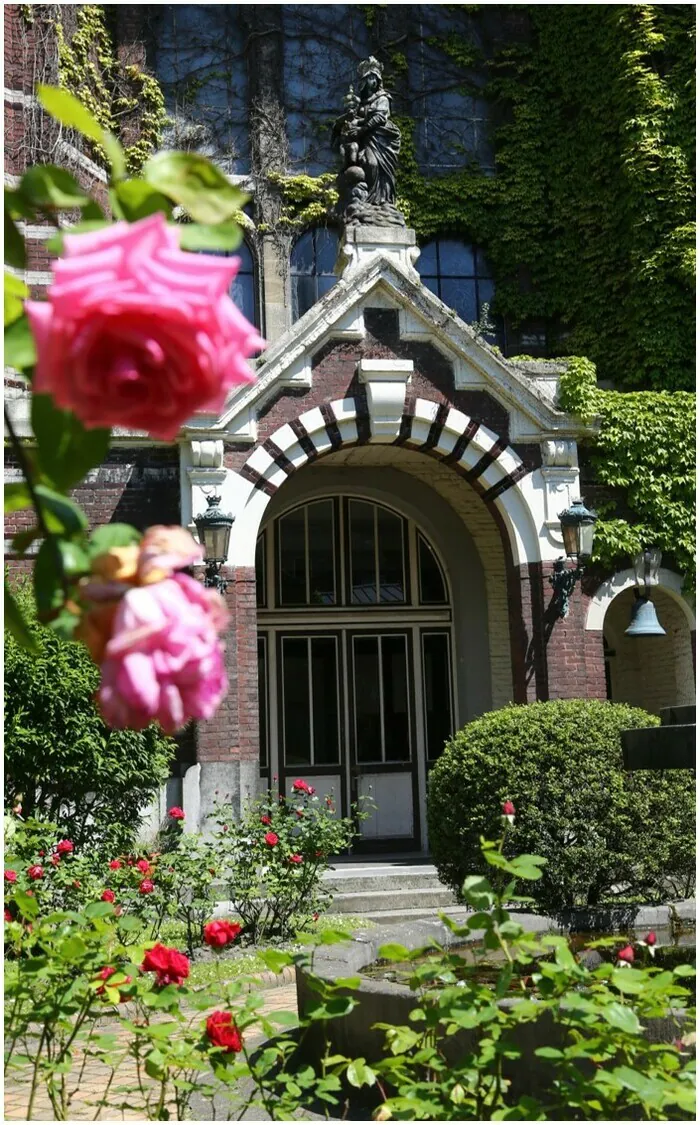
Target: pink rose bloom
(138, 333)
(164, 660)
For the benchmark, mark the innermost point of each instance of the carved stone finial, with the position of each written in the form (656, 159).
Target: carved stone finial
(369, 143)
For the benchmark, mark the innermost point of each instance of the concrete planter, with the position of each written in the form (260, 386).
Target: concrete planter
(383, 1001)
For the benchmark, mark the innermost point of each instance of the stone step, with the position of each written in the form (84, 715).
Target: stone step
(415, 914)
(357, 880)
(367, 902)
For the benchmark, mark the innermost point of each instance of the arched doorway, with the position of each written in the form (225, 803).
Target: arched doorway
(355, 657)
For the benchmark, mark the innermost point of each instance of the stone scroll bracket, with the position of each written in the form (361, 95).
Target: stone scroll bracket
(202, 470)
(560, 474)
(386, 381)
(360, 243)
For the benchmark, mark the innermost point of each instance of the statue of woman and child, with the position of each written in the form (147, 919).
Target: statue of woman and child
(369, 145)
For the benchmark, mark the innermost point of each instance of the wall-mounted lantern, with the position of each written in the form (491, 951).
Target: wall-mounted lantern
(577, 529)
(214, 531)
(644, 622)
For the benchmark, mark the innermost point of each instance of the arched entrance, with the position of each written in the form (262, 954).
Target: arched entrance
(357, 670)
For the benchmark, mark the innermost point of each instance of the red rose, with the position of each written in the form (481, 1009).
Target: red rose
(77, 884)
(266, 819)
(146, 886)
(108, 896)
(220, 932)
(223, 1033)
(310, 790)
(115, 865)
(319, 855)
(315, 915)
(130, 861)
(650, 939)
(42, 853)
(176, 813)
(271, 839)
(8, 916)
(300, 786)
(10, 876)
(508, 808)
(300, 812)
(144, 865)
(626, 955)
(169, 966)
(64, 847)
(54, 860)
(105, 974)
(296, 858)
(36, 871)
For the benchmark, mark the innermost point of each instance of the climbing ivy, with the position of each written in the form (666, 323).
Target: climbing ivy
(88, 66)
(305, 199)
(644, 461)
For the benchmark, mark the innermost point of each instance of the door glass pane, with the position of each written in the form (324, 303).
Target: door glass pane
(430, 580)
(292, 550)
(391, 577)
(295, 695)
(262, 699)
(437, 697)
(324, 675)
(321, 561)
(362, 556)
(395, 684)
(368, 723)
(260, 584)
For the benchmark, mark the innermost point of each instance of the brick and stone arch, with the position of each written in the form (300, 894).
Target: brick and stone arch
(648, 672)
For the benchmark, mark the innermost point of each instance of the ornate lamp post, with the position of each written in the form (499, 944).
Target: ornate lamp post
(577, 524)
(214, 531)
(644, 622)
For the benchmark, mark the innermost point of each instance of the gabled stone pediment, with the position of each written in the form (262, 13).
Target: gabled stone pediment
(383, 280)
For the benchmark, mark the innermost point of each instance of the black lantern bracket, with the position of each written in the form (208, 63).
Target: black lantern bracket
(214, 531)
(577, 524)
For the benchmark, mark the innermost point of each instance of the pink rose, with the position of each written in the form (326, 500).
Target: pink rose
(146, 886)
(176, 813)
(114, 865)
(136, 332)
(163, 550)
(164, 660)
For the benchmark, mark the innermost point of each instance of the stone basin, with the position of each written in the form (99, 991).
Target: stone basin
(388, 1001)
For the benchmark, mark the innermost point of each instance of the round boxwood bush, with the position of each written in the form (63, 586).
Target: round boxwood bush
(607, 835)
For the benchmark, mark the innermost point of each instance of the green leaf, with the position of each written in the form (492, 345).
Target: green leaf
(275, 960)
(359, 1074)
(15, 251)
(26, 904)
(196, 184)
(20, 351)
(47, 186)
(393, 952)
(48, 578)
(67, 109)
(66, 448)
(60, 511)
(623, 1018)
(136, 199)
(112, 535)
(331, 1009)
(72, 949)
(14, 295)
(200, 236)
(14, 621)
(478, 892)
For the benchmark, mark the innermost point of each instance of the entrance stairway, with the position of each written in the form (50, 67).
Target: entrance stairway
(389, 890)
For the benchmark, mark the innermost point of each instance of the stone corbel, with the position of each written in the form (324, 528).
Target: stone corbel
(203, 465)
(386, 381)
(560, 474)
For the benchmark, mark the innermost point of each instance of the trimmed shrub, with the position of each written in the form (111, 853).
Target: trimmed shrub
(607, 835)
(61, 758)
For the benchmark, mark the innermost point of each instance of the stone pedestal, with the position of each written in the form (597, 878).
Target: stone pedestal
(358, 243)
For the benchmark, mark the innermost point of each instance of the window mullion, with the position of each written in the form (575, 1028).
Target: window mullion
(380, 671)
(311, 701)
(376, 554)
(307, 562)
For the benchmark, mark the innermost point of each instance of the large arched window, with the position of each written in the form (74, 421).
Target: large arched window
(458, 274)
(244, 288)
(312, 268)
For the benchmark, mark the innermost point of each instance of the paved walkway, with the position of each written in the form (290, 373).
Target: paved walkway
(83, 1104)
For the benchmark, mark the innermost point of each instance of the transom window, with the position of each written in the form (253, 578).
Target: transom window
(346, 552)
(312, 268)
(458, 274)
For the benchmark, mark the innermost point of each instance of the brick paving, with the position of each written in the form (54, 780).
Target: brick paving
(93, 1081)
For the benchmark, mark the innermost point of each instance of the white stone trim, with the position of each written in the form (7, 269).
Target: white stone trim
(386, 381)
(670, 582)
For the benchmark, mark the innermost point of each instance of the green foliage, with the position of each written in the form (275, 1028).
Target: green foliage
(644, 455)
(306, 199)
(607, 835)
(59, 755)
(272, 893)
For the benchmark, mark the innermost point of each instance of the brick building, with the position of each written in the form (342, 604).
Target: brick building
(395, 480)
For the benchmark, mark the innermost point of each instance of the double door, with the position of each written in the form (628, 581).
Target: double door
(359, 713)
